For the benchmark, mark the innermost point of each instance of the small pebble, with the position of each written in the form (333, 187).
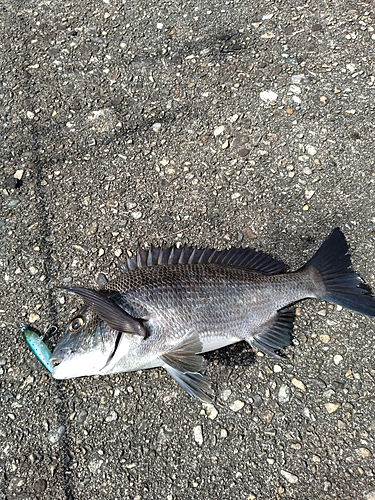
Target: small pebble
(211, 411)
(237, 405)
(136, 215)
(223, 433)
(219, 130)
(268, 96)
(55, 436)
(308, 414)
(111, 417)
(11, 183)
(277, 369)
(297, 78)
(337, 359)
(295, 89)
(18, 174)
(311, 150)
(328, 393)
(300, 385)
(363, 452)
(324, 338)
(33, 270)
(156, 127)
(284, 394)
(198, 435)
(332, 407)
(291, 478)
(13, 203)
(225, 394)
(33, 317)
(243, 152)
(94, 466)
(316, 27)
(82, 416)
(40, 485)
(309, 193)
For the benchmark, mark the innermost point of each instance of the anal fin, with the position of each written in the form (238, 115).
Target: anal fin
(184, 364)
(276, 335)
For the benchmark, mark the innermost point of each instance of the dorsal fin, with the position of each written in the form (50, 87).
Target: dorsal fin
(235, 257)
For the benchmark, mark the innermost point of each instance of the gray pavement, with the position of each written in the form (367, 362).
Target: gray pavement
(208, 123)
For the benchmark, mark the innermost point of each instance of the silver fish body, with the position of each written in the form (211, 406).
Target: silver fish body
(171, 305)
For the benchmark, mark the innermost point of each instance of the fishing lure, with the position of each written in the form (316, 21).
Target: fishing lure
(38, 347)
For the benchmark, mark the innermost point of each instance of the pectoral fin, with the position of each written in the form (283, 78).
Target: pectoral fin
(107, 309)
(184, 365)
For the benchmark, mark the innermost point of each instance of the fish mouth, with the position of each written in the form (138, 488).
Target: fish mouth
(55, 361)
(57, 358)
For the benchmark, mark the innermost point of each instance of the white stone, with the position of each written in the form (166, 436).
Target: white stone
(156, 127)
(337, 359)
(268, 96)
(219, 130)
(211, 411)
(295, 89)
(291, 478)
(237, 405)
(284, 394)
(297, 78)
(198, 434)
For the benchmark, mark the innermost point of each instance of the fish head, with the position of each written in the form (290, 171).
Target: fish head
(85, 347)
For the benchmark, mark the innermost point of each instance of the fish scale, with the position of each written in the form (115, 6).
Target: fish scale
(171, 305)
(180, 298)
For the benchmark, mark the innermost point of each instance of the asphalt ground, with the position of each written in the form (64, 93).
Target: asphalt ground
(209, 123)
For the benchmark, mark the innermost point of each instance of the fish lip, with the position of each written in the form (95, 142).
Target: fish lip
(57, 359)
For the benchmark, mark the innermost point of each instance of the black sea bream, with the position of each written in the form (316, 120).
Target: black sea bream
(173, 304)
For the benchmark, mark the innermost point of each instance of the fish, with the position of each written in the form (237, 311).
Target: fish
(40, 350)
(171, 305)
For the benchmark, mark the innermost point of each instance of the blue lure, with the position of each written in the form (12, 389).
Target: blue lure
(37, 346)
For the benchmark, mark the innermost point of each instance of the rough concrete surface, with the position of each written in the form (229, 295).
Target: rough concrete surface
(209, 123)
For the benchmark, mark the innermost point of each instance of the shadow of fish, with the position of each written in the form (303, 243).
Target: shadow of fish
(171, 305)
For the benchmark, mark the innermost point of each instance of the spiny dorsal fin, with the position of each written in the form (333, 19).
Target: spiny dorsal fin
(107, 309)
(235, 257)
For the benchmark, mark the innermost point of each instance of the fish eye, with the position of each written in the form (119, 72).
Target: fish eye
(76, 324)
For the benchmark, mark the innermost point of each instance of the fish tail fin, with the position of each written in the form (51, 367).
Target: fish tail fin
(337, 282)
